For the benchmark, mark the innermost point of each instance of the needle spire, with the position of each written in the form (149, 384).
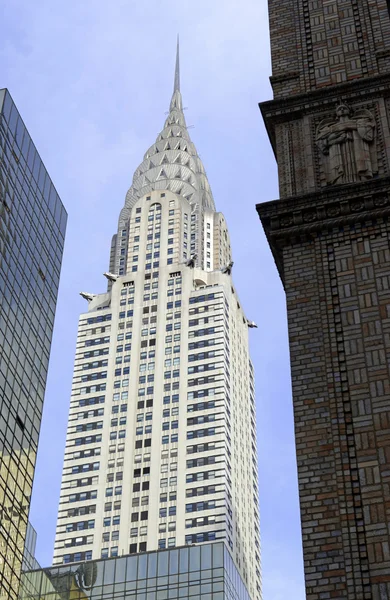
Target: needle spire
(177, 69)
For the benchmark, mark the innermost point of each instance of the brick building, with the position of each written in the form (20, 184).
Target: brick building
(329, 234)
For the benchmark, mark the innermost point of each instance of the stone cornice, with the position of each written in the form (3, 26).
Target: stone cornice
(296, 106)
(299, 218)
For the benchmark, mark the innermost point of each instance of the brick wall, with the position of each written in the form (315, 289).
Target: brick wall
(331, 243)
(335, 266)
(319, 43)
(338, 297)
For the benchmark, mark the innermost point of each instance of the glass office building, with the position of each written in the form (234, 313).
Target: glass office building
(205, 572)
(32, 230)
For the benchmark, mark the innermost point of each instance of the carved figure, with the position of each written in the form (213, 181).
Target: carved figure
(345, 142)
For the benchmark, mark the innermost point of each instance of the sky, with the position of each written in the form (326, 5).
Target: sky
(93, 80)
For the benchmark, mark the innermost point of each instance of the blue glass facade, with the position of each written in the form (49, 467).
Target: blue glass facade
(204, 572)
(32, 230)
(29, 561)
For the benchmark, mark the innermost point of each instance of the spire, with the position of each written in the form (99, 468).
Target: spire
(172, 162)
(176, 101)
(176, 87)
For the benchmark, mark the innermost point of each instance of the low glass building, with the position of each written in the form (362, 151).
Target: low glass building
(204, 572)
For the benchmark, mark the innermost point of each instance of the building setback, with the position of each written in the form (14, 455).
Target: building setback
(161, 443)
(329, 234)
(32, 230)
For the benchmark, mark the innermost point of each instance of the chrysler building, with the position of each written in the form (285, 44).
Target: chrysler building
(161, 447)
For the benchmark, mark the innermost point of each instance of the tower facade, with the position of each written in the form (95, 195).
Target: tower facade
(329, 234)
(32, 230)
(161, 442)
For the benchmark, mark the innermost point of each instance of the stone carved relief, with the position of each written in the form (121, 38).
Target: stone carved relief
(344, 142)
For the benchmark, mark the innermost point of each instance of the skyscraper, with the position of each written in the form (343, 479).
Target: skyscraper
(161, 443)
(329, 234)
(32, 230)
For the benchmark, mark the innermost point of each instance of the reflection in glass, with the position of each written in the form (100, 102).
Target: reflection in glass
(29, 277)
(183, 560)
(84, 581)
(163, 564)
(173, 562)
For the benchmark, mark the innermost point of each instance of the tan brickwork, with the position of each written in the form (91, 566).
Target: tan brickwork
(329, 234)
(333, 254)
(319, 43)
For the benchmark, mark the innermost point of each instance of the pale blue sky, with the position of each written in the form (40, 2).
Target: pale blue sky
(92, 80)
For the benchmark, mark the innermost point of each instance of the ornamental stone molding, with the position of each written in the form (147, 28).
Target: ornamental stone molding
(301, 218)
